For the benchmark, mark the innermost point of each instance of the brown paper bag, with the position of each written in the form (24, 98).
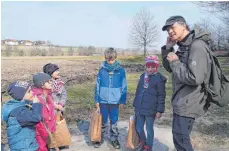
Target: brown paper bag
(61, 136)
(95, 129)
(58, 116)
(132, 137)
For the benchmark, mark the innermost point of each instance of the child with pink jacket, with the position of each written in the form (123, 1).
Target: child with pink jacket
(42, 90)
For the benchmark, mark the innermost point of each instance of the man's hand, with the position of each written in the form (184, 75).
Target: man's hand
(158, 115)
(121, 106)
(170, 43)
(97, 107)
(172, 57)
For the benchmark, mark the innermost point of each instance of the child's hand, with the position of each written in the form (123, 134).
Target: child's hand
(58, 107)
(158, 115)
(97, 107)
(121, 106)
(36, 100)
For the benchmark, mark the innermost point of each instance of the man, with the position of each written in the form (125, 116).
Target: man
(189, 66)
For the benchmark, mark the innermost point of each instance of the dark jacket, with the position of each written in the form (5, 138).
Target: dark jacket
(189, 72)
(152, 99)
(21, 122)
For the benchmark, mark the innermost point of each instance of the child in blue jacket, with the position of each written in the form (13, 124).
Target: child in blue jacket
(149, 102)
(21, 115)
(110, 94)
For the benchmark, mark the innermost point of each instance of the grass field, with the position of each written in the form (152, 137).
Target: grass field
(212, 128)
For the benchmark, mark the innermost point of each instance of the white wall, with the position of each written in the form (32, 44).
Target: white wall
(11, 43)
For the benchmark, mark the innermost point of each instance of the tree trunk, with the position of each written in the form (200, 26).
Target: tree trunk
(144, 49)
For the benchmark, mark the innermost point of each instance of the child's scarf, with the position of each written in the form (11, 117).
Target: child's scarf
(57, 86)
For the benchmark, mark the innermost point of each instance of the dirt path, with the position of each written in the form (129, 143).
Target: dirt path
(80, 139)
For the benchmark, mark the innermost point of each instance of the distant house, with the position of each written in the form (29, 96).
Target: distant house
(38, 43)
(11, 42)
(26, 42)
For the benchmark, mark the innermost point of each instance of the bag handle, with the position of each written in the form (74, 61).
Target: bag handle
(51, 137)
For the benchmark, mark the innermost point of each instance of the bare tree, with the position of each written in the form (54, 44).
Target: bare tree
(51, 51)
(8, 51)
(21, 53)
(70, 51)
(219, 8)
(91, 50)
(206, 24)
(219, 37)
(143, 30)
(49, 43)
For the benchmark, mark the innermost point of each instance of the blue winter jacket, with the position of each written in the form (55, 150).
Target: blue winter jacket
(111, 87)
(152, 99)
(21, 121)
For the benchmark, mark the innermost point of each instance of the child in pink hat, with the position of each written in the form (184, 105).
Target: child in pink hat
(149, 101)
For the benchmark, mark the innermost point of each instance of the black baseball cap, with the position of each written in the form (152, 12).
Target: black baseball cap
(172, 20)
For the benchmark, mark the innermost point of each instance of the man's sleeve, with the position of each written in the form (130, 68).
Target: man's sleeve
(194, 72)
(164, 53)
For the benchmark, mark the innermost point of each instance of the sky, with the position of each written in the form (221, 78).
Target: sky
(99, 24)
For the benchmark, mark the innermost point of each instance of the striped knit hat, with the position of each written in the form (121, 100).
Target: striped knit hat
(152, 61)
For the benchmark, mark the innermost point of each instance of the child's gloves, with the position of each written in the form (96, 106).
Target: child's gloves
(97, 107)
(58, 107)
(121, 106)
(158, 115)
(36, 100)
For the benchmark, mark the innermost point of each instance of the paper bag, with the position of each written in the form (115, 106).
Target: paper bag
(132, 137)
(95, 127)
(62, 136)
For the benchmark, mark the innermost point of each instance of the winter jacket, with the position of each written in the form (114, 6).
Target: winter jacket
(21, 121)
(48, 117)
(4, 139)
(59, 92)
(189, 72)
(151, 100)
(111, 87)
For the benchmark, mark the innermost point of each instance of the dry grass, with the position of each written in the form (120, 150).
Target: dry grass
(211, 129)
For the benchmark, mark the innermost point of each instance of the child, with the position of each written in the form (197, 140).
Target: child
(59, 93)
(42, 90)
(149, 101)
(4, 139)
(110, 94)
(21, 116)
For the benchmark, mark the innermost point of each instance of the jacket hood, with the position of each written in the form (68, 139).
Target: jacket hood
(39, 91)
(196, 33)
(9, 107)
(104, 65)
